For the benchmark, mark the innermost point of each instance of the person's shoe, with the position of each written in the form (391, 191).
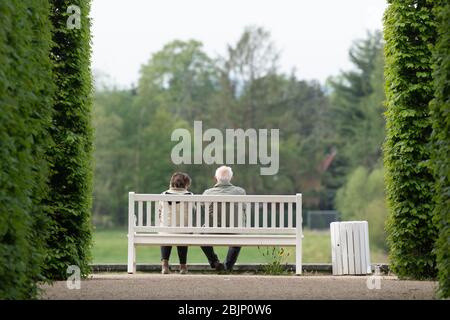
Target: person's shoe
(218, 266)
(228, 266)
(165, 266)
(183, 269)
(227, 269)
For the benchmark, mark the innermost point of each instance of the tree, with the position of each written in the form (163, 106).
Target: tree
(440, 153)
(246, 72)
(26, 91)
(132, 152)
(113, 156)
(410, 34)
(357, 105)
(71, 164)
(181, 77)
(356, 113)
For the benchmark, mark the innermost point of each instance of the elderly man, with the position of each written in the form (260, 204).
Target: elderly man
(223, 186)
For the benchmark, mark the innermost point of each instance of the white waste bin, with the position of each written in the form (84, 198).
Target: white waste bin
(350, 247)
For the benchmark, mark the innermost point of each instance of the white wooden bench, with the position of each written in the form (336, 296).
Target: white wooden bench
(262, 220)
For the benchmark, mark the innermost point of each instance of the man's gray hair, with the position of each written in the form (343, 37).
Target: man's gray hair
(224, 174)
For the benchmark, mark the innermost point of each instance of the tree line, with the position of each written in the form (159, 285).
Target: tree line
(327, 131)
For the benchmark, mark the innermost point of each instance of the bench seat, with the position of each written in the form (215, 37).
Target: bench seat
(215, 239)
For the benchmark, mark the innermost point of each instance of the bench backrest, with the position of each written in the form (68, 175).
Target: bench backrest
(215, 213)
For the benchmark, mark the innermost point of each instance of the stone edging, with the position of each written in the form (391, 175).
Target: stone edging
(203, 267)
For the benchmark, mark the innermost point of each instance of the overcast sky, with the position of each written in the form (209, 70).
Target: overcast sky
(313, 35)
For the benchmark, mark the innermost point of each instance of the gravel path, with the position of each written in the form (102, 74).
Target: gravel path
(201, 287)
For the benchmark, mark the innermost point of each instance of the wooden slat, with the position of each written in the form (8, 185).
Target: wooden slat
(182, 214)
(223, 214)
(199, 214)
(140, 213)
(165, 213)
(340, 264)
(357, 244)
(281, 215)
(265, 215)
(343, 243)
(190, 214)
(365, 227)
(207, 204)
(248, 215)
(216, 239)
(351, 257)
(131, 261)
(203, 230)
(299, 234)
(174, 214)
(257, 215)
(215, 223)
(273, 215)
(335, 248)
(232, 215)
(240, 215)
(155, 213)
(148, 213)
(212, 198)
(362, 245)
(290, 215)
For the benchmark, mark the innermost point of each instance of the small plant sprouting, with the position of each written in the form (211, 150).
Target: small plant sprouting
(276, 260)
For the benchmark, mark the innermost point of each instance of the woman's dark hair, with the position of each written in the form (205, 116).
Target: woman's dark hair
(180, 180)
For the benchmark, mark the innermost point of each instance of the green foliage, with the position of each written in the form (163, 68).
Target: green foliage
(133, 127)
(112, 154)
(356, 113)
(363, 198)
(357, 105)
(70, 177)
(181, 78)
(25, 103)
(440, 155)
(410, 34)
(132, 152)
(276, 260)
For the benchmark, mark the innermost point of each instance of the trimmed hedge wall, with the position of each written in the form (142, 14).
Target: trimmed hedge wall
(26, 106)
(410, 33)
(71, 172)
(441, 145)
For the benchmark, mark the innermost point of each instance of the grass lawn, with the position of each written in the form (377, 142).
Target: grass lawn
(110, 246)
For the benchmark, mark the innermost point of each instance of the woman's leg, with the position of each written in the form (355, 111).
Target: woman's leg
(182, 255)
(165, 255)
(165, 252)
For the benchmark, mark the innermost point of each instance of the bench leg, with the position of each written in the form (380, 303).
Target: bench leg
(298, 258)
(131, 257)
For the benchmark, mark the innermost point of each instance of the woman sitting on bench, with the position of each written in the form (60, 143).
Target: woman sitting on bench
(179, 185)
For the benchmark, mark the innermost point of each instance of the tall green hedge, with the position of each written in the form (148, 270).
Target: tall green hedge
(440, 108)
(410, 33)
(71, 171)
(25, 115)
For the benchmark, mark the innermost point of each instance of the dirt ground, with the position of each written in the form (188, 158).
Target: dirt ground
(154, 286)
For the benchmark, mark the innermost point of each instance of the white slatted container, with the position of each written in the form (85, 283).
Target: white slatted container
(350, 247)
